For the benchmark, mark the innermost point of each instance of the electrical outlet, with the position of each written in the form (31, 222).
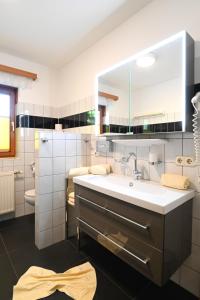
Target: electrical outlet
(188, 161)
(179, 160)
(185, 161)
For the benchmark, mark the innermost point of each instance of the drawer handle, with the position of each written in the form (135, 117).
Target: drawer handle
(143, 261)
(144, 227)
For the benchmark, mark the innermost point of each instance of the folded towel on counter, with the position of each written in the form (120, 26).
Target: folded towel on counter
(71, 195)
(175, 181)
(79, 283)
(71, 199)
(102, 169)
(78, 171)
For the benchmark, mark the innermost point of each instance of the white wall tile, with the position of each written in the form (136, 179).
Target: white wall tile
(29, 209)
(193, 261)
(172, 149)
(59, 216)
(44, 202)
(29, 158)
(58, 148)
(58, 165)
(19, 184)
(44, 185)
(81, 161)
(20, 147)
(70, 163)
(19, 197)
(59, 182)
(188, 147)
(173, 168)
(58, 135)
(29, 134)
(28, 171)
(70, 147)
(29, 146)
(19, 210)
(59, 233)
(44, 166)
(192, 174)
(59, 199)
(45, 220)
(190, 280)
(196, 206)
(45, 149)
(29, 183)
(19, 160)
(196, 231)
(45, 238)
(142, 153)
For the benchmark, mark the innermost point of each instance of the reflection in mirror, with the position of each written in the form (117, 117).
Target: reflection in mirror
(113, 101)
(151, 91)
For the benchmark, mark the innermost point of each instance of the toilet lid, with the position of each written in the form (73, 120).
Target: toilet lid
(30, 193)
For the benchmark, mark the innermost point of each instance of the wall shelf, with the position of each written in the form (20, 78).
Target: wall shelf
(140, 142)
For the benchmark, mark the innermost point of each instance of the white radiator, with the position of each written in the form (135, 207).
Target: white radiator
(7, 191)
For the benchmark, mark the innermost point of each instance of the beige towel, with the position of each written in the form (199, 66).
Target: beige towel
(175, 181)
(78, 171)
(71, 195)
(102, 169)
(79, 283)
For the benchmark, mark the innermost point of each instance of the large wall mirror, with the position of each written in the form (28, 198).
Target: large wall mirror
(150, 92)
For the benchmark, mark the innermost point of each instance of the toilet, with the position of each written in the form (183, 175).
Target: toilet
(30, 197)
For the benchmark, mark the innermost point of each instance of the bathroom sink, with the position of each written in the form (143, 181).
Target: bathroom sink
(143, 193)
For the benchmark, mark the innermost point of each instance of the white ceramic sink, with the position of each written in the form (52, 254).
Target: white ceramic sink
(143, 193)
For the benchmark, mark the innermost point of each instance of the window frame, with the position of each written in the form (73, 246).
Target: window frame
(13, 93)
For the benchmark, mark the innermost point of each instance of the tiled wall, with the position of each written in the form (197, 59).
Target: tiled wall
(54, 158)
(22, 162)
(188, 275)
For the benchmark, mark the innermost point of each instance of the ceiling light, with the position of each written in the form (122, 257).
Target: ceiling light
(146, 60)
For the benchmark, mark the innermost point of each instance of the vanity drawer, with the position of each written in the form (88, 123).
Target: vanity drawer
(143, 224)
(142, 257)
(91, 195)
(140, 223)
(92, 214)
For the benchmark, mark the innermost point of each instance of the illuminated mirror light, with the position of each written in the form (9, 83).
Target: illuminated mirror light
(146, 60)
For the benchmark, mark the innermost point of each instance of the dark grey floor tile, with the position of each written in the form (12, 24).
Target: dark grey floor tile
(58, 257)
(2, 248)
(107, 290)
(122, 274)
(7, 278)
(169, 291)
(27, 221)
(17, 237)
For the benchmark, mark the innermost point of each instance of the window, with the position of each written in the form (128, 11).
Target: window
(8, 99)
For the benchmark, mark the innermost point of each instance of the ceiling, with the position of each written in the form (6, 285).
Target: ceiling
(53, 32)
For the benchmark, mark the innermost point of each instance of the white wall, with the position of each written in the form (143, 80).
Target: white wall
(43, 89)
(157, 21)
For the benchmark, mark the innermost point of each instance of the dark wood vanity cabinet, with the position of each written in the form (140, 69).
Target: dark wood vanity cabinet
(154, 244)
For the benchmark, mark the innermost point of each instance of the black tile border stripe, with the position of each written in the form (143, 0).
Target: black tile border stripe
(83, 119)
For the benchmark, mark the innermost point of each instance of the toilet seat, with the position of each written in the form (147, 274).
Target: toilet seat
(30, 197)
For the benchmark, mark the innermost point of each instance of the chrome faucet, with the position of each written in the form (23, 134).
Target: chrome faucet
(136, 173)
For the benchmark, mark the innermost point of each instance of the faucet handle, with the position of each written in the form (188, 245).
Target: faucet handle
(137, 174)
